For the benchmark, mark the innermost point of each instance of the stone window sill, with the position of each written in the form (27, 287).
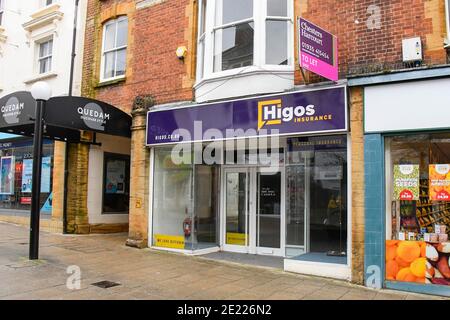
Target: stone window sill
(40, 77)
(110, 82)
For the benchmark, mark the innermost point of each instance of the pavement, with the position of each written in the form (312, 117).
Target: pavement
(152, 274)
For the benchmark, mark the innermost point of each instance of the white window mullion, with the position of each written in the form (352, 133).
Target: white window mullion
(209, 38)
(217, 36)
(291, 34)
(115, 47)
(260, 13)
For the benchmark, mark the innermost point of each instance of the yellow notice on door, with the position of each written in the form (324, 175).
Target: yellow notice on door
(165, 241)
(236, 238)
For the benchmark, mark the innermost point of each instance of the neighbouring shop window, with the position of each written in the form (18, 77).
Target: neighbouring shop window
(185, 203)
(114, 49)
(16, 168)
(45, 56)
(116, 190)
(418, 207)
(316, 198)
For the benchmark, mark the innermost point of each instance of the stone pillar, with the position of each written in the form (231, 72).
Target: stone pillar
(77, 188)
(139, 175)
(357, 183)
(58, 180)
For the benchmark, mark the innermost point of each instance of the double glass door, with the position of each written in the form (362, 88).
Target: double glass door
(252, 211)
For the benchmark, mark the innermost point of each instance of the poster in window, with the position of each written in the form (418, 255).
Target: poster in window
(46, 174)
(7, 175)
(115, 176)
(406, 182)
(439, 182)
(27, 175)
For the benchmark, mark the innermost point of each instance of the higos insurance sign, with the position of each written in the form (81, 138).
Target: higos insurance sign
(318, 50)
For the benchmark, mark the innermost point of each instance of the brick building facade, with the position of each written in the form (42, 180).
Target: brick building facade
(370, 34)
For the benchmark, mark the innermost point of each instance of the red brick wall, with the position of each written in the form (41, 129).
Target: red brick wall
(362, 50)
(152, 67)
(158, 30)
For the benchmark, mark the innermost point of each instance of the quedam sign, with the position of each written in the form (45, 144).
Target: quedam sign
(318, 50)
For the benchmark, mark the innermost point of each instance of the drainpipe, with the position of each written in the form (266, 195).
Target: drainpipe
(72, 68)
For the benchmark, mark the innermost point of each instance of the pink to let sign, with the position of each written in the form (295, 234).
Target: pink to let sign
(318, 50)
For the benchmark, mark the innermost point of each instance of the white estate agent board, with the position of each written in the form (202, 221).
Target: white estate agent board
(408, 106)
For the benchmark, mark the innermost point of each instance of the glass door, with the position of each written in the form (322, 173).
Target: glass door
(268, 213)
(236, 210)
(252, 218)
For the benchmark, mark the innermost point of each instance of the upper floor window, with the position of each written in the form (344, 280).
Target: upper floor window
(45, 56)
(235, 34)
(1, 10)
(114, 49)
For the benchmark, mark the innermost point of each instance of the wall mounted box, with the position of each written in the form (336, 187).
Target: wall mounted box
(412, 50)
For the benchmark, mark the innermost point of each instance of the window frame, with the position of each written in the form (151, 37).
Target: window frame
(259, 18)
(115, 49)
(48, 57)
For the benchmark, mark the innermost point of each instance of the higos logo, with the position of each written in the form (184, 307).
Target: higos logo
(272, 112)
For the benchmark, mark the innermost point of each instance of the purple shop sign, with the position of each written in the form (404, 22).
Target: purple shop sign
(296, 113)
(318, 50)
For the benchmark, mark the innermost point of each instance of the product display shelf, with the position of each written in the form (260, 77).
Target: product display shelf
(428, 213)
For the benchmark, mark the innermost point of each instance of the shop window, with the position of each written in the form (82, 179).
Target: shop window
(114, 49)
(16, 167)
(185, 203)
(116, 184)
(45, 56)
(230, 32)
(316, 199)
(418, 209)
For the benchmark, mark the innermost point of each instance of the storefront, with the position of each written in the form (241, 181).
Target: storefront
(15, 181)
(407, 150)
(266, 175)
(85, 181)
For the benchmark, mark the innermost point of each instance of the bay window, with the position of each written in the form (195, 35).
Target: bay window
(233, 34)
(244, 36)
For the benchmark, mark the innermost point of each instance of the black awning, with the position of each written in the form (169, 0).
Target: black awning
(64, 117)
